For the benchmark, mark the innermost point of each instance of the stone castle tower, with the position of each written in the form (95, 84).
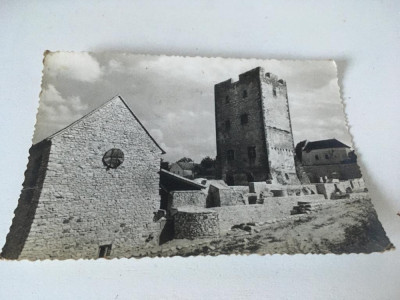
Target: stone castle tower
(253, 130)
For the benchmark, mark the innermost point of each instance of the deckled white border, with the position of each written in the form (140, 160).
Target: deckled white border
(362, 34)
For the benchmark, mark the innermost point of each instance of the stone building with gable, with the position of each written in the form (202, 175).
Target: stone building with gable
(185, 169)
(327, 159)
(90, 190)
(253, 130)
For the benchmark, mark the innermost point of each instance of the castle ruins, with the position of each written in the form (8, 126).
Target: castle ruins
(95, 188)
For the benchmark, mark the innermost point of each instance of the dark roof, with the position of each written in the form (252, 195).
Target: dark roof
(324, 144)
(93, 111)
(173, 182)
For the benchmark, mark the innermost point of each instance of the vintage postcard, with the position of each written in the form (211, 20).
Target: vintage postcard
(145, 156)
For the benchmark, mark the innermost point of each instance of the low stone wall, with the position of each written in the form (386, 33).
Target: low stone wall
(178, 199)
(226, 196)
(191, 223)
(282, 190)
(349, 186)
(345, 171)
(273, 208)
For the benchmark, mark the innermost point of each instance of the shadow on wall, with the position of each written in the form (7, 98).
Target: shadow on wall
(28, 200)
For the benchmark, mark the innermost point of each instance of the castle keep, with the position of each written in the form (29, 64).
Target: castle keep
(253, 130)
(90, 190)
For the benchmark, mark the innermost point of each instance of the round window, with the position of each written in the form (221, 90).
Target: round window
(113, 158)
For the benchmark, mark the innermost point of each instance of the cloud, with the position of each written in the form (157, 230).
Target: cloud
(56, 112)
(174, 96)
(78, 66)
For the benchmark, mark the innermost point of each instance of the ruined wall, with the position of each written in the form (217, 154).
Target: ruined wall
(264, 99)
(178, 199)
(343, 171)
(331, 190)
(191, 223)
(83, 204)
(273, 208)
(221, 196)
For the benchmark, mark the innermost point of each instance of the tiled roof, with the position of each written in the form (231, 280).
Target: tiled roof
(324, 144)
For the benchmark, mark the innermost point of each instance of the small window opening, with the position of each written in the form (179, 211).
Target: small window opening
(227, 99)
(230, 154)
(274, 91)
(316, 157)
(251, 152)
(286, 176)
(245, 94)
(113, 158)
(227, 125)
(326, 156)
(104, 250)
(244, 119)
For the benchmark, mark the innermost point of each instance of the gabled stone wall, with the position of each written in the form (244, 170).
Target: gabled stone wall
(83, 204)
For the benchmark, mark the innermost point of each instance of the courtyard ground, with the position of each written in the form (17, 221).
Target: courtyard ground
(337, 226)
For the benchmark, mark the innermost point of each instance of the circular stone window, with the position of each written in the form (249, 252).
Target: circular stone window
(113, 158)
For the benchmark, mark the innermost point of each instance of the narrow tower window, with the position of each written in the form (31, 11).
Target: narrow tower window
(316, 157)
(244, 93)
(244, 119)
(251, 152)
(274, 91)
(227, 99)
(230, 155)
(227, 125)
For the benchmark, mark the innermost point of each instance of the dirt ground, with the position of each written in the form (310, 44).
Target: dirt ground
(339, 226)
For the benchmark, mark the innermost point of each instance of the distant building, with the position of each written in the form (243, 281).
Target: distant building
(327, 159)
(253, 130)
(324, 152)
(184, 169)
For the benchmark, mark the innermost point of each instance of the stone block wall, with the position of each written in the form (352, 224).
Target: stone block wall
(178, 199)
(343, 187)
(278, 129)
(345, 171)
(191, 223)
(83, 204)
(28, 201)
(273, 208)
(226, 196)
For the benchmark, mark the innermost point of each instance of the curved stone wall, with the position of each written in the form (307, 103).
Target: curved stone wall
(191, 223)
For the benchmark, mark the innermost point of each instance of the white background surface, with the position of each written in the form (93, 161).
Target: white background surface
(363, 36)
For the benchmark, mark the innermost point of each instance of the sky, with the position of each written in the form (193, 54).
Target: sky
(173, 96)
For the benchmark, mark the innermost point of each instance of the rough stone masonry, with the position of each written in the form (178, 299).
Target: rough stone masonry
(74, 205)
(253, 130)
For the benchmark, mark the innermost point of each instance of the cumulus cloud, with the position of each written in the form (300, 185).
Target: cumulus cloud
(174, 96)
(80, 66)
(56, 112)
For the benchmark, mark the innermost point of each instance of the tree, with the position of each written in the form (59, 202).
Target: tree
(207, 162)
(185, 159)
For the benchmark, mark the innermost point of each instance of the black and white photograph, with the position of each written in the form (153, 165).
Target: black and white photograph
(139, 155)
